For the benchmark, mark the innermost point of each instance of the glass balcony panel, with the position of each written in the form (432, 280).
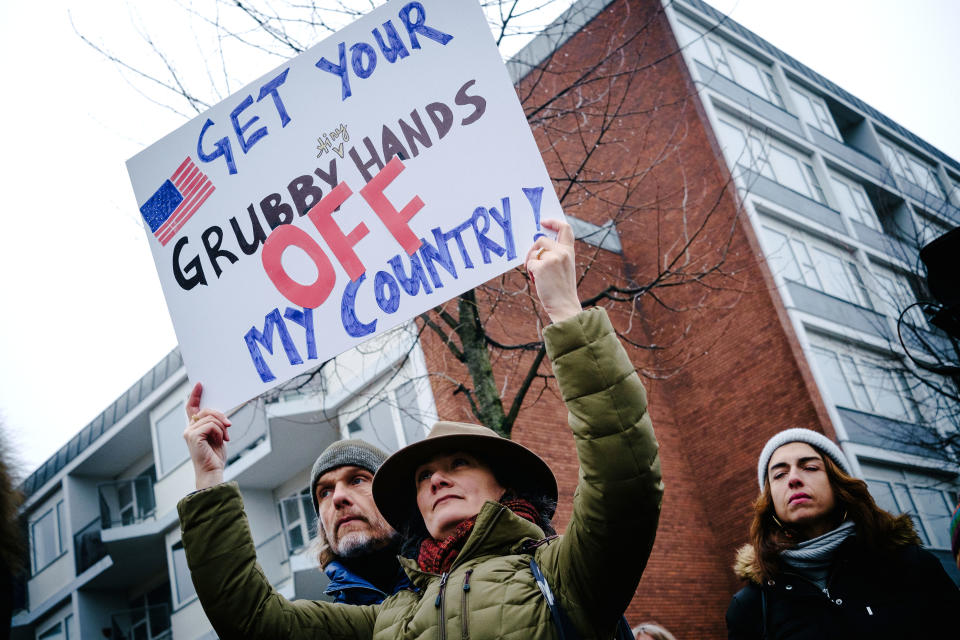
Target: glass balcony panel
(88, 547)
(142, 623)
(126, 502)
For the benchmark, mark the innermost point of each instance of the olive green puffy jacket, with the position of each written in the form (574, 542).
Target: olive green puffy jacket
(593, 568)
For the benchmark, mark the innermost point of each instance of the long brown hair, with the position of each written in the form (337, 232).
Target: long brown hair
(877, 530)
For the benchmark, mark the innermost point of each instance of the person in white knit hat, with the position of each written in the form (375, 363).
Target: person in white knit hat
(824, 561)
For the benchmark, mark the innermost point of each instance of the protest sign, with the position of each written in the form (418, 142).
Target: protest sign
(380, 173)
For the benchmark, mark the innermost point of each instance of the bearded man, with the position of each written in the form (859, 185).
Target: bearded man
(355, 546)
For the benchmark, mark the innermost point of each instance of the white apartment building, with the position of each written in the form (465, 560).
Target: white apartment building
(105, 554)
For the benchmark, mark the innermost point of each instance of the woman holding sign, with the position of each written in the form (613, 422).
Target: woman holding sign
(476, 510)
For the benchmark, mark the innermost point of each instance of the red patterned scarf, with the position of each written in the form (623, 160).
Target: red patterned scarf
(438, 557)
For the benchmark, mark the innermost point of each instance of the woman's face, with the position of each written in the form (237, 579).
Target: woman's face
(802, 496)
(452, 487)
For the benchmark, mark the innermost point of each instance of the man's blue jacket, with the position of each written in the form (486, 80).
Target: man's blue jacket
(349, 588)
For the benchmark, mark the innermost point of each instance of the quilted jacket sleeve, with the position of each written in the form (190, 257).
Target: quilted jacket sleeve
(596, 566)
(233, 590)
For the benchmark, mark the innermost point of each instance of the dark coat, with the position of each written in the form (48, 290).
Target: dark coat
(904, 594)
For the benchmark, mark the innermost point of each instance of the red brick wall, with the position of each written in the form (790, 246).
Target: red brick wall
(720, 360)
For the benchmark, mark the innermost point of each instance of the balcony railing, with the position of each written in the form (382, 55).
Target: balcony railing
(142, 623)
(126, 502)
(88, 547)
(823, 305)
(764, 187)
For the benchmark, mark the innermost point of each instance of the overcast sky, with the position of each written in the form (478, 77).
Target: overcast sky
(84, 315)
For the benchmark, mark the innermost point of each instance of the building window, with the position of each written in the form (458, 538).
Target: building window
(147, 618)
(854, 203)
(929, 507)
(411, 418)
(771, 160)
(376, 426)
(755, 79)
(185, 590)
(299, 520)
(729, 62)
(719, 59)
(795, 174)
(694, 42)
(955, 188)
(393, 421)
(65, 629)
(929, 230)
(48, 537)
(912, 169)
(171, 447)
(824, 271)
(813, 111)
(894, 297)
(865, 385)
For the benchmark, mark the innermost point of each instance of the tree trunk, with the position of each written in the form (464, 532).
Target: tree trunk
(486, 396)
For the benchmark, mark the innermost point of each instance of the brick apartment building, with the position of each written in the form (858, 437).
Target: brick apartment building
(759, 226)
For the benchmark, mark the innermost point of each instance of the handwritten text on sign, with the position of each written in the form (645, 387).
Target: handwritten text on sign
(378, 174)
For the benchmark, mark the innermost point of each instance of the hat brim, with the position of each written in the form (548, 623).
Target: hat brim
(394, 488)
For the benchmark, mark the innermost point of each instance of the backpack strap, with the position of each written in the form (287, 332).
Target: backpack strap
(560, 620)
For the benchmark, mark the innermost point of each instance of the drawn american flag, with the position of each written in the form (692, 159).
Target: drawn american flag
(178, 198)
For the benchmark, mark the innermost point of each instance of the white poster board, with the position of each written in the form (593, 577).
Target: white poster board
(380, 173)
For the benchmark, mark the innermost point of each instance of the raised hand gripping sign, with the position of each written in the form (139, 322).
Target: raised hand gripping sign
(380, 173)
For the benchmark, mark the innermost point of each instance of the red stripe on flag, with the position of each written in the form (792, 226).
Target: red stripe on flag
(185, 178)
(183, 212)
(184, 166)
(201, 197)
(189, 207)
(189, 188)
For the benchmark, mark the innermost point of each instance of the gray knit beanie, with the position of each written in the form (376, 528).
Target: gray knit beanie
(342, 453)
(816, 440)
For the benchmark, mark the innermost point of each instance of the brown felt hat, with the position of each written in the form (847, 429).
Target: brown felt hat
(394, 489)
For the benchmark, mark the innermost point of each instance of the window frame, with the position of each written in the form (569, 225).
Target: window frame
(172, 403)
(177, 603)
(862, 366)
(865, 215)
(823, 120)
(758, 150)
(904, 162)
(812, 271)
(389, 395)
(57, 512)
(720, 53)
(64, 622)
(903, 489)
(891, 283)
(306, 521)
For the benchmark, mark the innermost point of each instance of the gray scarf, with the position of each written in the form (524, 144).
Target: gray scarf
(813, 558)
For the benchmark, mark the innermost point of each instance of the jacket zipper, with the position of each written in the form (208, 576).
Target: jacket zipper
(441, 597)
(441, 600)
(464, 612)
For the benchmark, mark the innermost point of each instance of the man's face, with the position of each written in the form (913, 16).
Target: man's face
(350, 519)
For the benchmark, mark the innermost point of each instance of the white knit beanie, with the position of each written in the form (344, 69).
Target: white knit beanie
(818, 441)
